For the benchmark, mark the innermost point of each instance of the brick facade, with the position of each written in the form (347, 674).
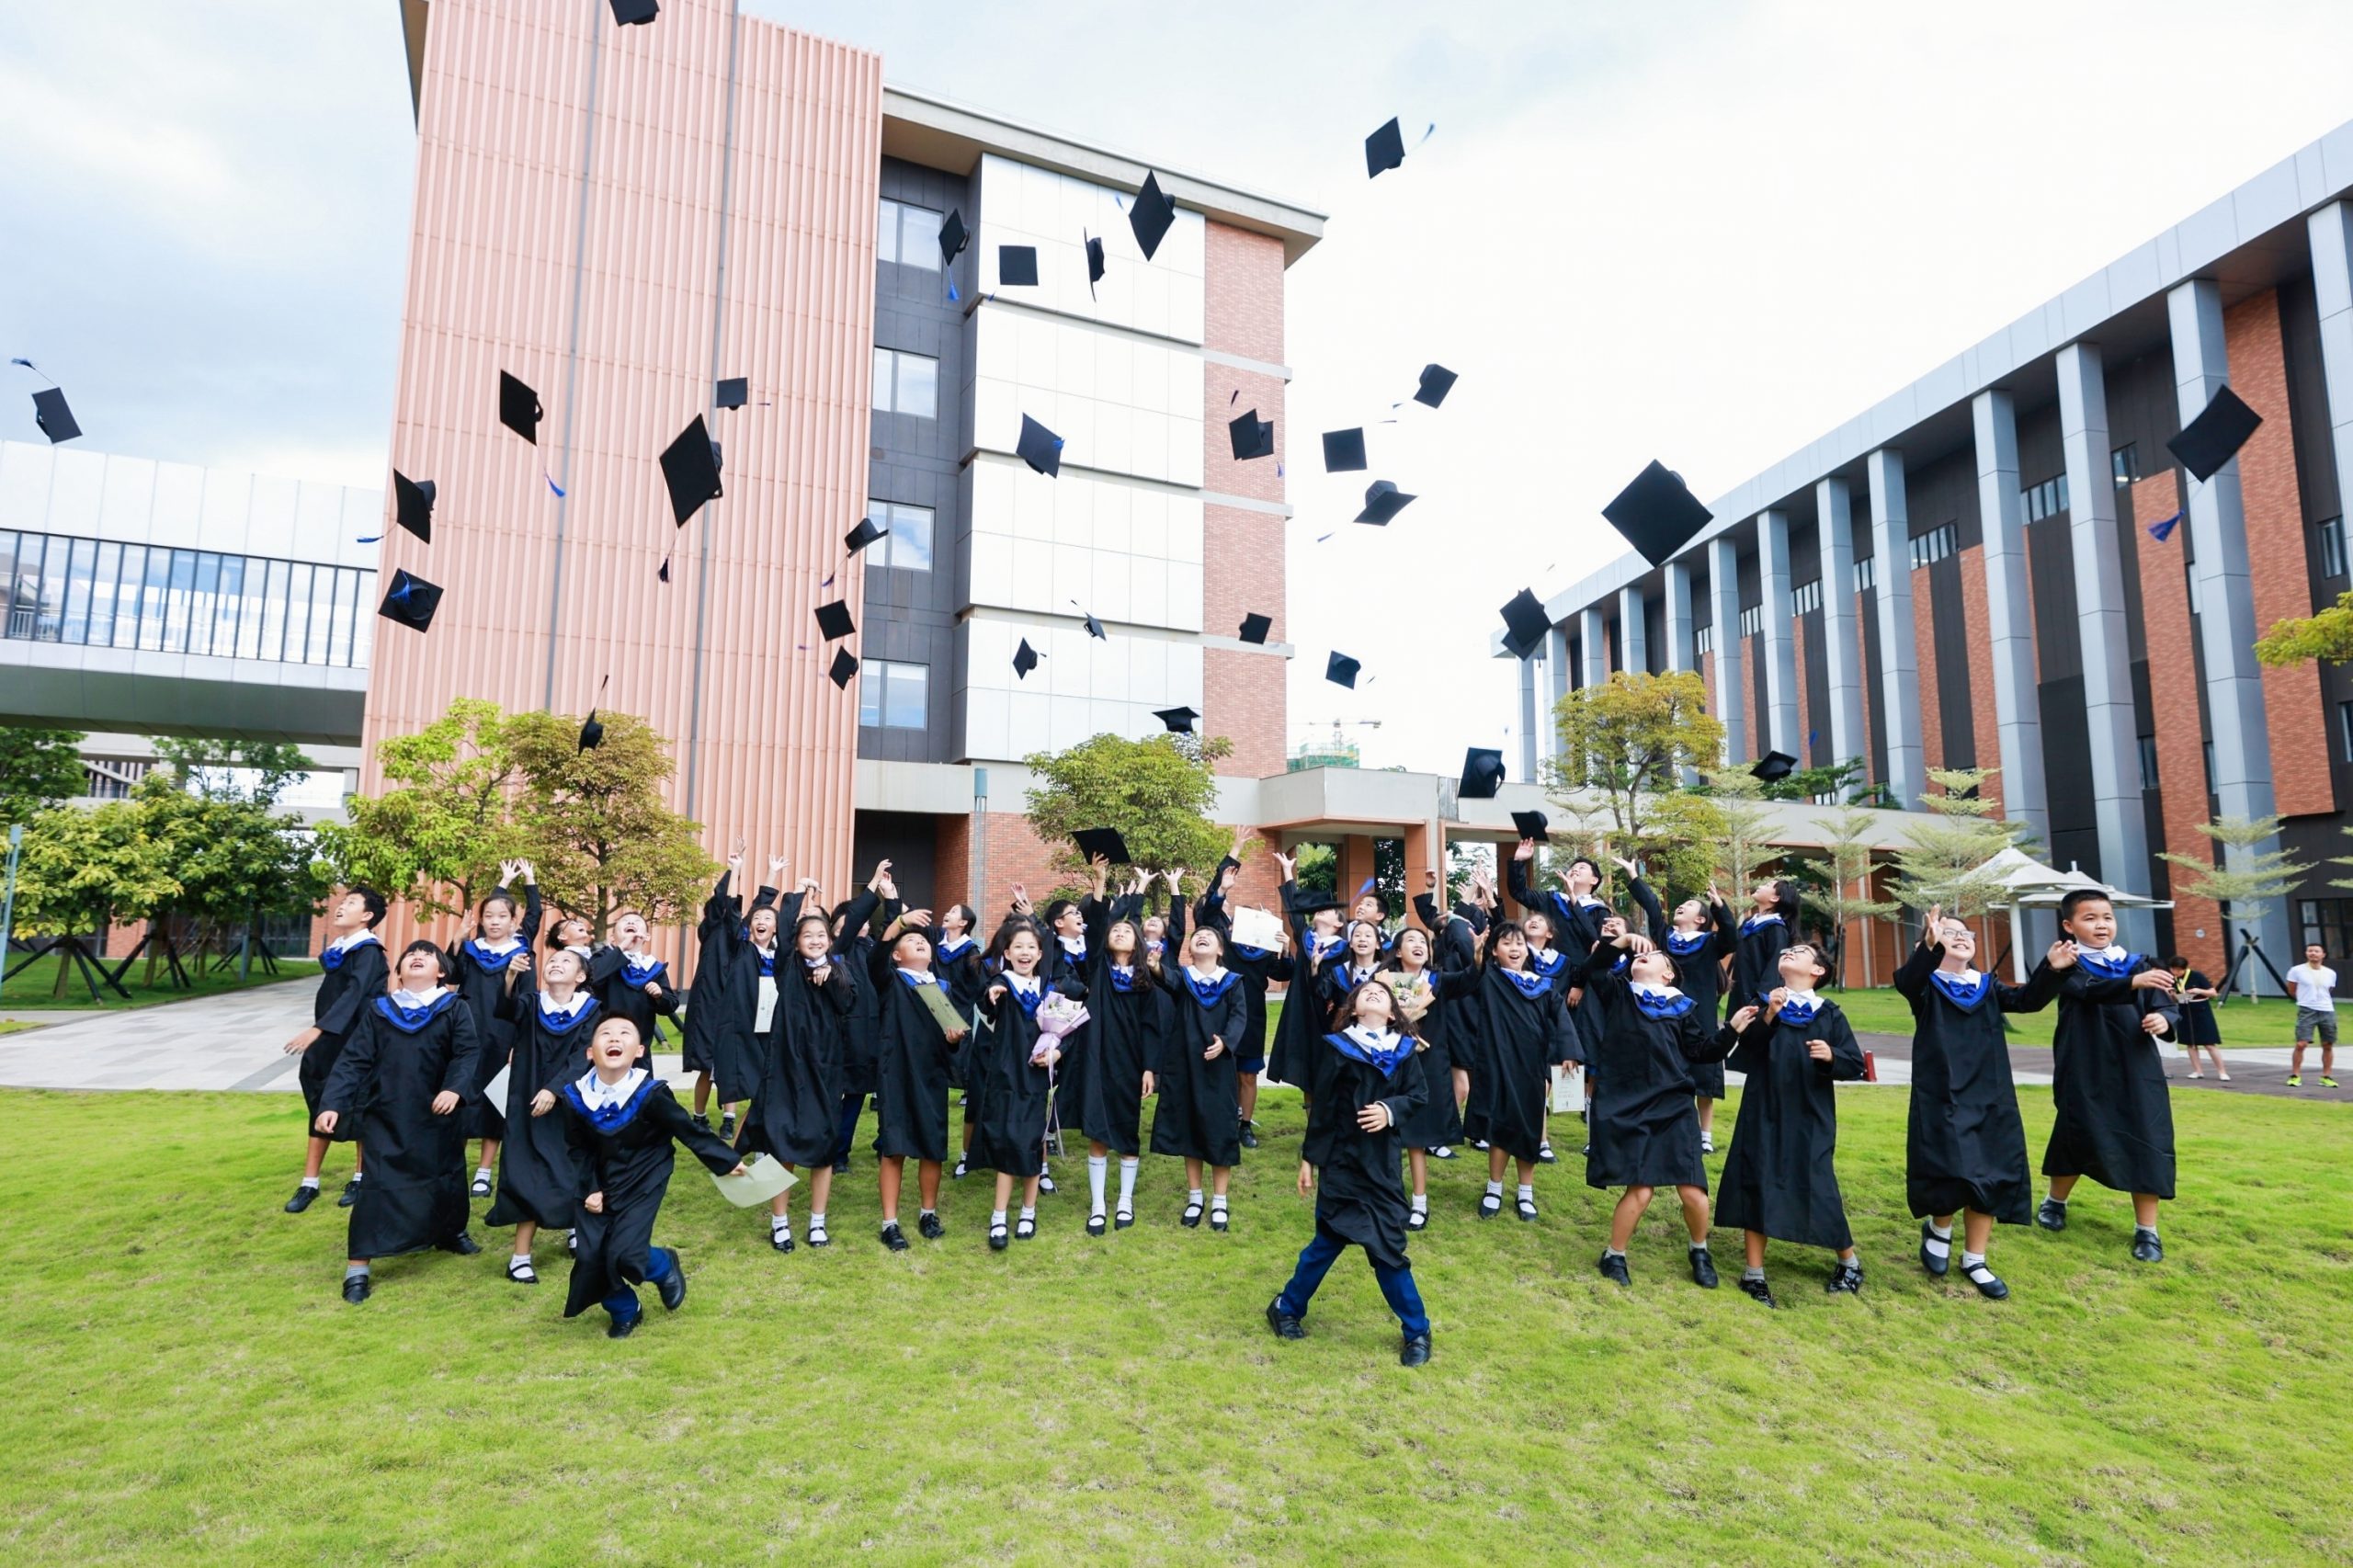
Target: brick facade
(1806, 707)
(2173, 695)
(1243, 695)
(1924, 654)
(1748, 655)
(1985, 721)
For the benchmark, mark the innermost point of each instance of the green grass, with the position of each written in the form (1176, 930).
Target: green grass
(10, 1026)
(31, 991)
(184, 1384)
(2244, 1023)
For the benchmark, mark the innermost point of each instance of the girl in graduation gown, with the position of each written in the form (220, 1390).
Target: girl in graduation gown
(2195, 995)
(1257, 967)
(1699, 937)
(1515, 1016)
(630, 983)
(1314, 919)
(1421, 1011)
(2113, 1118)
(1573, 920)
(622, 1121)
(1365, 1087)
(1645, 1124)
(796, 1094)
(401, 1076)
(1126, 1004)
(1770, 925)
(485, 967)
(910, 1056)
(715, 941)
(1012, 1080)
(739, 999)
(1965, 1147)
(854, 931)
(539, 1179)
(1779, 1178)
(1198, 1117)
(352, 974)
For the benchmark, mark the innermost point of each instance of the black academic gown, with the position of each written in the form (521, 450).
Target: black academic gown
(1520, 1032)
(965, 977)
(1757, 959)
(1104, 1097)
(1084, 971)
(626, 1156)
(1435, 1119)
(1301, 1027)
(1358, 1196)
(395, 1063)
(734, 1001)
(1700, 974)
(1454, 940)
(620, 988)
(1576, 927)
(1780, 1176)
(2113, 1114)
(911, 1058)
(1257, 967)
(1011, 1094)
(796, 1091)
(855, 948)
(483, 978)
(715, 941)
(348, 981)
(1199, 1113)
(1964, 1146)
(538, 1171)
(1644, 1127)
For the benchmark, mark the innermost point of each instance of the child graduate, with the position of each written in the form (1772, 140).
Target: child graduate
(1437, 1120)
(1779, 1179)
(485, 967)
(628, 981)
(352, 974)
(1363, 1086)
(797, 1092)
(1314, 920)
(2114, 1117)
(1126, 1005)
(1200, 1115)
(734, 991)
(1965, 1147)
(1517, 1028)
(1644, 1123)
(401, 1075)
(622, 1121)
(1012, 1078)
(538, 1177)
(910, 1056)
(1258, 968)
(1699, 937)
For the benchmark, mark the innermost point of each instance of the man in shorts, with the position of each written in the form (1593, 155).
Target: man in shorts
(2315, 986)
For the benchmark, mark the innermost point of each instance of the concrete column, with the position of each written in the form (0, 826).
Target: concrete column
(2332, 237)
(1561, 682)
(2009, 616)
(1527, 759)
(2099, 622)
(1633, 628)
(1724, 595)
(1899, 665)
(1593, 667)
(1677, 631)
(1843, 655)
(2226, 624)
(1778, 646)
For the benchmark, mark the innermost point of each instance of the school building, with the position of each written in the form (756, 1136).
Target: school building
(1980, 570)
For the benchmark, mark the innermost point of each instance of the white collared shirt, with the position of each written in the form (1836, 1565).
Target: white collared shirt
(1803, 998)
(1653, 990)
(600, 1095)
(409, 999)
(552, 1008)
(505, 945)
(357, 938)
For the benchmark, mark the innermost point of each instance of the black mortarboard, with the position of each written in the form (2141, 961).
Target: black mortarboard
(413, 500)
(690, 468)
(1532, 825)
(1253, 436)
(866, 533)
(1095, 629)
(1094, 260)
(1025, 659)
(629, 13)
(952, 237)
(1255, 627)
(518, 408)
(665, 572)
(1382, 501)
(844, 665)
(1774, 766)
(734, 391)
(2209, 441)
(1178, 720)
(834, 620)
(1437, 381)
(1384, 149)
(1525, 623)
(592, 732)
(1103, 841)
(56, 420)
(1308, 901)
(1483, 773)
(1040, 448)
(411, 600)
(1657, 514)
(1017, 267)
(1341, 670)
(1150, 216)
(1344, 450)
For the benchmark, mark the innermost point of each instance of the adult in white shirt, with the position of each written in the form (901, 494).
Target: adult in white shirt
(2315, 986)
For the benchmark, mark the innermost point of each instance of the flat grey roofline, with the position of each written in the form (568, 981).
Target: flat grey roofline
(2251, 235)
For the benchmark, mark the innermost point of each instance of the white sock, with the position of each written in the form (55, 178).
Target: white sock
(1097, 1167)
(1127, 1183)
(817, 1220)
(356, 1175)
(1970, 1260)
(1193, 1199)
(996, 1219)
(1942, 1232)
(310, 1182)
(1527, 1193)
(1935, 1245)
(781, 1224)
(1494, 1190)
(1421, 1202)
(1219, 1201)
(1029, 1212)
(482, 1173)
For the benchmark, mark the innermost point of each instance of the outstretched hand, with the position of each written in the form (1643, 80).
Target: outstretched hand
(2062, 954)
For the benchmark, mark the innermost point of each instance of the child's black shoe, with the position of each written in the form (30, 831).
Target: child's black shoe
(1613, 1268)
(1936, 1253)
(2051, 1214)
(358, 1288)
(303, 1198)
(929, 1224)
(1703, 1269)
(2146, 1248)
(350, 1194)
(1757, 1291)
(1285, 1325)
(674, 1288)
(894, 1238)
(1415, 1352)
(1844, 1280)
(620, 1328)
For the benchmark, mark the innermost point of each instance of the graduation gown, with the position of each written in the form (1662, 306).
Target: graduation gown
(734, 1002)
(1104, 1098)
(1083, 969)
(1964, 1146)
(1435, 1119)
(1454, 940)
(1301, 1028)
(483, 977)
(1780, 1176)
(619, 988)
(397, 1060)
(797, 1067)
(854, 947)
(1010, 1095)
(911, 1059)
(625, 1155)
(1756, 946)
(1576, 927)
(1199, 1113)
(348, 981)
(1521, 1030)
(1359, 1194)
(1257, 967)
(715, 940)
(2114, 1115)
(965, 977)
(539, 1170)
(1644, 1129)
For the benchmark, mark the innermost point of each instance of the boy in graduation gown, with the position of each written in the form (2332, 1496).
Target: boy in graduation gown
(622, 1121)
(912, 1051)
(2113, 1116)
(1363, 1085)
(401, 1075)
(1699, 937)
(1965, 1147)
(538, 1177)
(352, 974)
(487, 948)
(1257, 966)
(1314, 921)
(1779, 1178)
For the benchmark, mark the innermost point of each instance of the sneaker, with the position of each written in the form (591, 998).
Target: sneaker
(480, 1188)
(1847, 1279)
(1414, 1352)
(2051, 1214)
(2326, 1082)
(894, 1238)
(350, 1194)
(727, 1126)
(1285, 1325)
(2295, 1080)
(1613, 1268)
(930, 1226)
(303, 1198)
(1757, 1291)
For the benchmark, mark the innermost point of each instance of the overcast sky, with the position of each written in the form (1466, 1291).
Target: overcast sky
(1701, 232)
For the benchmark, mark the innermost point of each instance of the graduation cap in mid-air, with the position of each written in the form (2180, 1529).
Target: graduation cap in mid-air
(1483, 773)
(1532, 825)
(834, 620)
(1344, 450)
(866, 533)
(844, 666)
(518, 408)
(1252, 437)
(1093, 259)
(1255, 627)
(1774, 766)
(2212, 439)
(1382, 502)
(690, 468)
(1657, 514)
(1095, 627)
(56, 420)
(1025, 659)
(1150, 216)
(1341, 670)
(953, 237)
(1040, 448)
(413, 503)
(1525, 623)
(1384, 149)
(592, 728)
(1437, 381)
(411, 600)
(1178, 720)
(632, 13)
(1105, 842)
(734, 391)
(1017, 267)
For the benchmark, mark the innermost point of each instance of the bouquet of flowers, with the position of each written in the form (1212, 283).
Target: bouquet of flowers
(1057, 1016)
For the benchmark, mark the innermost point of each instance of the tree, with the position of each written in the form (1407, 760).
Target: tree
(1628, 741)
(233, 770)
(38, 768)
(1315, 867)
(83, 870)
(2248, 878)
(1156, 792)
(1840, 781)
(1847, 883)
(234, 860)
(1944, 859)
(594, 822)
(446, 816)
(2324, 637)
(1743, 830)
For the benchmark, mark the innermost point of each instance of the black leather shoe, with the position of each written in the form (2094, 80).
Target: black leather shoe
(963, 1166)
(1045, 1182)
(1285, 1325)
(781, 1240)
(1544, 1155)
(303, 1198)
(841, 1166)
(727, 1125)
(999, 1238)
(358, 1288)
(1249, 1134)
(1218, 1219)
(1703, 1269)
(1990, 1287)
(1847, 1279)
(1490, 1205)
(1443, 1152)
(350, 1194)
(2146, 1248)
(620, 1328)
(1191, 1218)
(894, 1238)
(463, 1246)
(1757, 1291)
(480, 1188)
(1415, 1351)
(2051, 1214)
(1940, 1267)
(1095, 1225)
(930, 1227)
(1525, 1208)
(1613, 1268)
(700, 1119)
(674, 1288)
(1418, 1218)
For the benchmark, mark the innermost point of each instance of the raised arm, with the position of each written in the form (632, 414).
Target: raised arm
(1912, 975)
(1648, 902)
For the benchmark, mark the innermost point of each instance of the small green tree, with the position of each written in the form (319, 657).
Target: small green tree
(1628, 742)
(1943, 861)
(1158, 793)
(1316, 868)
(446, 818)
(1847, 882)
(83, 870)
(259, 771)
(234, 860)
(2325, 637)
(2248, 881)
(38, 768)
(595, 823)
(1744, 842)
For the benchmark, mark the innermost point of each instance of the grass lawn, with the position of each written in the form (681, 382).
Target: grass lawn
(33, 989)
(186, 1385)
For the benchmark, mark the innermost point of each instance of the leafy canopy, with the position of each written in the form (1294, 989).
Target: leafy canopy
(595, 823)
(446, 817)
(38, 768)
(1944, 857)
(1158, 793)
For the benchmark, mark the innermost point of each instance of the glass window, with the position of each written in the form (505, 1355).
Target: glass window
(2345, 731)
(49, 601)
(908, 545)
(1704, 640)
(363, 629)
(886, 230)
(2125, 463)
(201, 601)
(178, 592)
(2059, 494)
(2148, 762)
(882, 380)
(228, 606)
(893, 696)
(347, 599)
(273, 613)
(81, 568)
(2332, 547)
(314, 645)
(156, 595)
(1866, 573)
(102, 594)
(906, 384)
(298, 611)
(8, 583)
(910, 235)
(126, 596)
(250, 582)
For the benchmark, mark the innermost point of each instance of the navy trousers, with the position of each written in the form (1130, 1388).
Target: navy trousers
(1316, 1260)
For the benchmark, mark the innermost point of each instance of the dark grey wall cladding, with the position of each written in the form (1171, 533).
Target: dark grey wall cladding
(1948, 640)
(1815, 744)
(1874, 694)
(909, 841)
(2042, 449)
(2317, 486)
(1944, 491)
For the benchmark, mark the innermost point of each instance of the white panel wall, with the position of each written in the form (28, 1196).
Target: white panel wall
(1081, 687)
(1122, 403)
(91, 495)
(1076, 544)
(1025, 206)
